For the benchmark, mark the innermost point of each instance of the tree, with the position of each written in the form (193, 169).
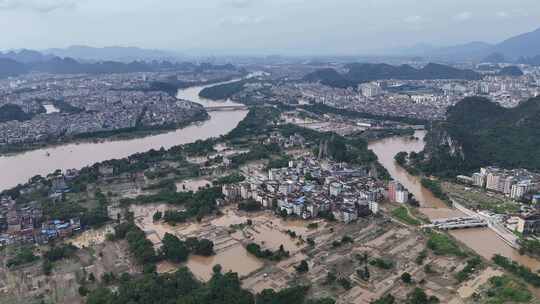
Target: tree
(321, 301)
(418, 296)
(345, 283)
(290, 295)
(406, 278)
(101, 295)
(83, 291)
(47, 267)
(173, 249)
(24, 255)
(192, 243)
(108, 278)
(387, 299)
(157, 216)
(217, 269)
(330, 278)
(303, 267)
(401, 158)
(204, 247)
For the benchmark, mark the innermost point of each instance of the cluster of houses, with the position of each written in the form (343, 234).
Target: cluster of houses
(295, 140)
(17, 223)
(25, 224)
(308, 188)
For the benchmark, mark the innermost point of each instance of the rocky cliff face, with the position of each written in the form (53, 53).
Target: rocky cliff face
(478, 132)
(443, 154)
(439, 140)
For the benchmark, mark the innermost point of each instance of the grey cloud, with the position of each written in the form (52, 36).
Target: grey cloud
(239, 3)
(242, 20)
(43, 6)
(413, 19)
(463, 16)
(322, 26)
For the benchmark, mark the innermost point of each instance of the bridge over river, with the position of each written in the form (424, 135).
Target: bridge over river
(226, 108)
(457, 223)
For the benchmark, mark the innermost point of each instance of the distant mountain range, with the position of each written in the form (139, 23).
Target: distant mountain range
(15, 63)
(10, 68)
(365, 72)
(517, 48)
(113, 53)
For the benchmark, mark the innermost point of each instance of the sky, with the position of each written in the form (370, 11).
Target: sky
(340, 27)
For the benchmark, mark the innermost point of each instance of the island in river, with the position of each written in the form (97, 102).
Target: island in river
(53, 110)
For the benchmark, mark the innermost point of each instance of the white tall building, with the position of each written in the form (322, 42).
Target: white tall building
(370, 89)
(374, 207)
(402, 196)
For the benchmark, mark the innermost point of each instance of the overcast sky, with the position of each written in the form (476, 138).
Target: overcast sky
(262, 26)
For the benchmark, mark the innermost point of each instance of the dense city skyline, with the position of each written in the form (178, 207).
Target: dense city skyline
(262, 27)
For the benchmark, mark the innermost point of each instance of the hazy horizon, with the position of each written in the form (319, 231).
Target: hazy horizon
(287, 27)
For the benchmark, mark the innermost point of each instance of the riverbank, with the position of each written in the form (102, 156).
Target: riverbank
(102, 137)
(483, 241)
(76, 155)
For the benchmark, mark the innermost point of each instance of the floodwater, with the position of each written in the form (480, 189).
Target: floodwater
(229, 218)
(91, 237)
(144, 214)
(192, 184)
(235, 259)
(266, 230)
(482, 240)
(18, 168)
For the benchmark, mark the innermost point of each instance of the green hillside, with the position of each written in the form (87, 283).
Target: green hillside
(483, 133)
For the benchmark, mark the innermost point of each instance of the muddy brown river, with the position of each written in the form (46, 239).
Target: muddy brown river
(18, 168)
(482, 240)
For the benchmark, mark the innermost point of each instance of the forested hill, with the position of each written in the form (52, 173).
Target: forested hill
(478, 132)
(365, 72)
(329, 77)
(9, 68)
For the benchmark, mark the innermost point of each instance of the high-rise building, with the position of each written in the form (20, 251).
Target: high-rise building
(529, 224)
(509, 181)
(394, 188)
(374, 207)
(479, 180)
(520, 189)
(495, 181)
(402, 196)
(370, 89)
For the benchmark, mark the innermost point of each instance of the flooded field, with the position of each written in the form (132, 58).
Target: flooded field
(192, 184)
(230, 235)
(156, 230)
(91, 237)
(234, 258)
